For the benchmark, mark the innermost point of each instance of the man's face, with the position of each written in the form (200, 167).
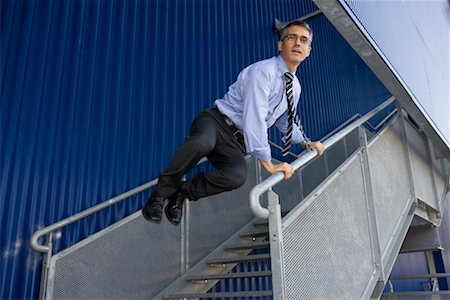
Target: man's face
(294, 46)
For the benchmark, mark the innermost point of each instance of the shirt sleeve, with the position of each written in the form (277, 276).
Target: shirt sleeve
(256, 107)
(281, 124)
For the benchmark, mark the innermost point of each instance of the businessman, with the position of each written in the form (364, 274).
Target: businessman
(265, 94)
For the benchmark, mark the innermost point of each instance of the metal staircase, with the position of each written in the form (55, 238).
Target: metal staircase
(220, 265)
(340, 239)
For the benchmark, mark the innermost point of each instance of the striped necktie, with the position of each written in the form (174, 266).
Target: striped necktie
(291, 112)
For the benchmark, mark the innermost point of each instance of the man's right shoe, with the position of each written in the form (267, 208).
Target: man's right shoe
(174, 209)
(153, 209)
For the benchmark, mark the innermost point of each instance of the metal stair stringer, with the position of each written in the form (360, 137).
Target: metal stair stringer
(238, 246)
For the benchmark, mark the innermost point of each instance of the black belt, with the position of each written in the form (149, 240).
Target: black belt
(237, 134)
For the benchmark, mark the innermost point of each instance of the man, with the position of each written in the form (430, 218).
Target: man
(265, 93)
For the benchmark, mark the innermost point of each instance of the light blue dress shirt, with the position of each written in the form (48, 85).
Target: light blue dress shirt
(257, 101)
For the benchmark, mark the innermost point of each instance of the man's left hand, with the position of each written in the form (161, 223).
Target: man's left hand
(318, 145)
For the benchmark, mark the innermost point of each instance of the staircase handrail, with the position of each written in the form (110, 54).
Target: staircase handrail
(349, 121)
(87, 212)
(83, 214)
(268, 183)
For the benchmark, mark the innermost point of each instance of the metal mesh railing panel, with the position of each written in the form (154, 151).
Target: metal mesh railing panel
(327, 248)
(421, 167)
(117, 263)
(390, 182)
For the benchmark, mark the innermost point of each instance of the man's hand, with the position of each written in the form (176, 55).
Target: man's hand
(318, 145)
(286, 168)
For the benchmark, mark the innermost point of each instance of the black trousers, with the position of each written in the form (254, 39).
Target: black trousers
(212, 137)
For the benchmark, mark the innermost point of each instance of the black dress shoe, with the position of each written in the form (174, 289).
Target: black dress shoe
(174, 210)
(152, 210)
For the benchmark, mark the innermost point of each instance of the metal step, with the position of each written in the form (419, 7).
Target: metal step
(204, 278)
(256, 233)
(251, 245)
(220, 295)
(262, 223)
(237, 259)
(182, 286)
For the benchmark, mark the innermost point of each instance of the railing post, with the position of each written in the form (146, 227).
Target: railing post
(440, 195)
(185, 232)
(432, 270)
(404, 137)
(276, 245)
(373, 226)
(46, 267)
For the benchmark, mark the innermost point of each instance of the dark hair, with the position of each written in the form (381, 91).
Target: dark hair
(298, 23)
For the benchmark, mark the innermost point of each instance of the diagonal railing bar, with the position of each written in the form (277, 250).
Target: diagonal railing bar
(85, 213)
(372, 128)
(274, 179)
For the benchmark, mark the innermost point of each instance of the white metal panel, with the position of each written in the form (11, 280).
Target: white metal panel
(414, 38)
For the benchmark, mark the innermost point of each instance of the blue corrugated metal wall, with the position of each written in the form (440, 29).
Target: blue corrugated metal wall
(96, 96)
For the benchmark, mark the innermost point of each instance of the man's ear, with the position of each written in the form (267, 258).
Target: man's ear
(280, 45)
(309, 51)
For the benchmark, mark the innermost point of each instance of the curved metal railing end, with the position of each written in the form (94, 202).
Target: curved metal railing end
(83, 214)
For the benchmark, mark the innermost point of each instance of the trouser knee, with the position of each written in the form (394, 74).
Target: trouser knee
(203, 144)
(236, 176)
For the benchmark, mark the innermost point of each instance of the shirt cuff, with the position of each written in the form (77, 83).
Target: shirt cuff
(297, 137)
(264, 155)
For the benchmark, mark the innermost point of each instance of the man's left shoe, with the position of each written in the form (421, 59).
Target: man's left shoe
(152, 211)
(174, 209)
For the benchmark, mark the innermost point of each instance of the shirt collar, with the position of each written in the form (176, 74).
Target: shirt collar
(282, 68)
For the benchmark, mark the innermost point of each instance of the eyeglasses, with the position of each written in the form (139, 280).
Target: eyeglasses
(293, 38)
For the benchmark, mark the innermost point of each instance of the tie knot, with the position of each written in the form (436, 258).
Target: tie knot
(289, 77)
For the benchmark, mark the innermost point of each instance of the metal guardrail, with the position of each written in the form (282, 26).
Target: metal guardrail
(434, 276)
(340, 127)
(434, 281)
(420, 276)
(416, 295)
(85, 213)
(271, 181)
